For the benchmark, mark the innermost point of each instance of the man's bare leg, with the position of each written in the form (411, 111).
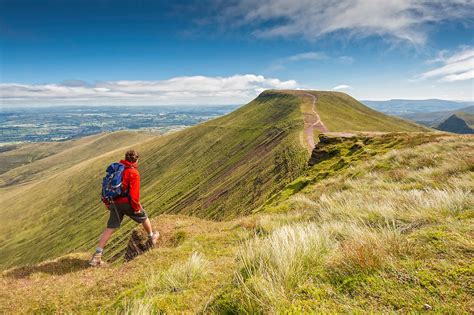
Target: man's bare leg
(149, 230)
(147, 226)
(105, 237)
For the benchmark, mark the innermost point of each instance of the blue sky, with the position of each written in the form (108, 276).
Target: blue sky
(226, 52)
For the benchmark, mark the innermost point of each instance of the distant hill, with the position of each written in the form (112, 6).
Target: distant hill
(23, 162)
(454, 118)
(458, 122)
(468, 117)
(401, 106)
(431, 118)
(219, 170)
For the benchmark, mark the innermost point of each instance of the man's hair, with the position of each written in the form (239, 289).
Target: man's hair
(131, 156)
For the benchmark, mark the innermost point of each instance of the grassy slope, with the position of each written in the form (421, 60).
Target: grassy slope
(43, 159)
(15, 155)
(220, 169)
(341, 112)
(391, 231)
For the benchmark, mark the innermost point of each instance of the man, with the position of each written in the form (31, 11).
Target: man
(126, 205)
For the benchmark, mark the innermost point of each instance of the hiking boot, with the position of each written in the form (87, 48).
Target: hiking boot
(96, 260)
(154, 238)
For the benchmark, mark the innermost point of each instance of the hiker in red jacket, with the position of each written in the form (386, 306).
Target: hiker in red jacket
(126, 205)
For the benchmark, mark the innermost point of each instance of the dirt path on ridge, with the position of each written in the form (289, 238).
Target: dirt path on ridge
(312, 122)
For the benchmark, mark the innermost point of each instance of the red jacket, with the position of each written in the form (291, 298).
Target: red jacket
(130, 182)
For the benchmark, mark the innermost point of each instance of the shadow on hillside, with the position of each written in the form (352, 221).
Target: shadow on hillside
(58, 267)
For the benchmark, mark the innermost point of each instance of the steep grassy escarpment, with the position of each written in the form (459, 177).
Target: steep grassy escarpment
(389, 232)
(220, 169)
(227, 166)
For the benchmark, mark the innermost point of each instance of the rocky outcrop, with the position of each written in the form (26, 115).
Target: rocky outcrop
(137, 245)
(327, 147)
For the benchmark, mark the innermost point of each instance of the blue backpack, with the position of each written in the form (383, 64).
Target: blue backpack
(112, 182)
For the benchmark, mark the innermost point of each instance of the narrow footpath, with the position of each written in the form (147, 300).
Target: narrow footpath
(311, 125)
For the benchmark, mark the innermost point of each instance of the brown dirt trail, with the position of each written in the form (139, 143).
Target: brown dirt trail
(312, 120)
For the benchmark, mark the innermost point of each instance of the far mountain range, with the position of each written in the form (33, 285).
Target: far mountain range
(402, 106)
(451, 116)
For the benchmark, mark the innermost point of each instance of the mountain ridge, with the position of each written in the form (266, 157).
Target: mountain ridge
(219, 169)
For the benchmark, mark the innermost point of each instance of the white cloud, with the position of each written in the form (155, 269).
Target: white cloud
(343, 87)
(459, 77)
(312, 55)
(457, 67)
(347, 60)
(280, 63)
(180, 90)
(398, 19)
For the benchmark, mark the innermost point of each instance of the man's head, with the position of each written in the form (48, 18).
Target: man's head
(131, 156)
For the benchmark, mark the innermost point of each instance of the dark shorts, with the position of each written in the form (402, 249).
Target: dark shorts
(118, 210)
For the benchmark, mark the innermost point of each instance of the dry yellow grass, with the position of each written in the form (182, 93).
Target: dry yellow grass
(345, 239)
(357, 242)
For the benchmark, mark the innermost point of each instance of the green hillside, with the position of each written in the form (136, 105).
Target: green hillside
(221, 169)
(15, 155)
(341, 112)
(387, 230)
(26, 162)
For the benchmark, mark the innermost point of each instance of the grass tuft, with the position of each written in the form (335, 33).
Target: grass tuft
(178, 276)
(276, 264)
(137, 307)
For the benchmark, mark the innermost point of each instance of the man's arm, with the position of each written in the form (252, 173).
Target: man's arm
(134, 191)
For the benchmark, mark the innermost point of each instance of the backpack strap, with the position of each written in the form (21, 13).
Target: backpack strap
(127, 193)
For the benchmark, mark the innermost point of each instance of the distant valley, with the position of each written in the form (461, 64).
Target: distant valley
(37, 124)
(61, 123)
